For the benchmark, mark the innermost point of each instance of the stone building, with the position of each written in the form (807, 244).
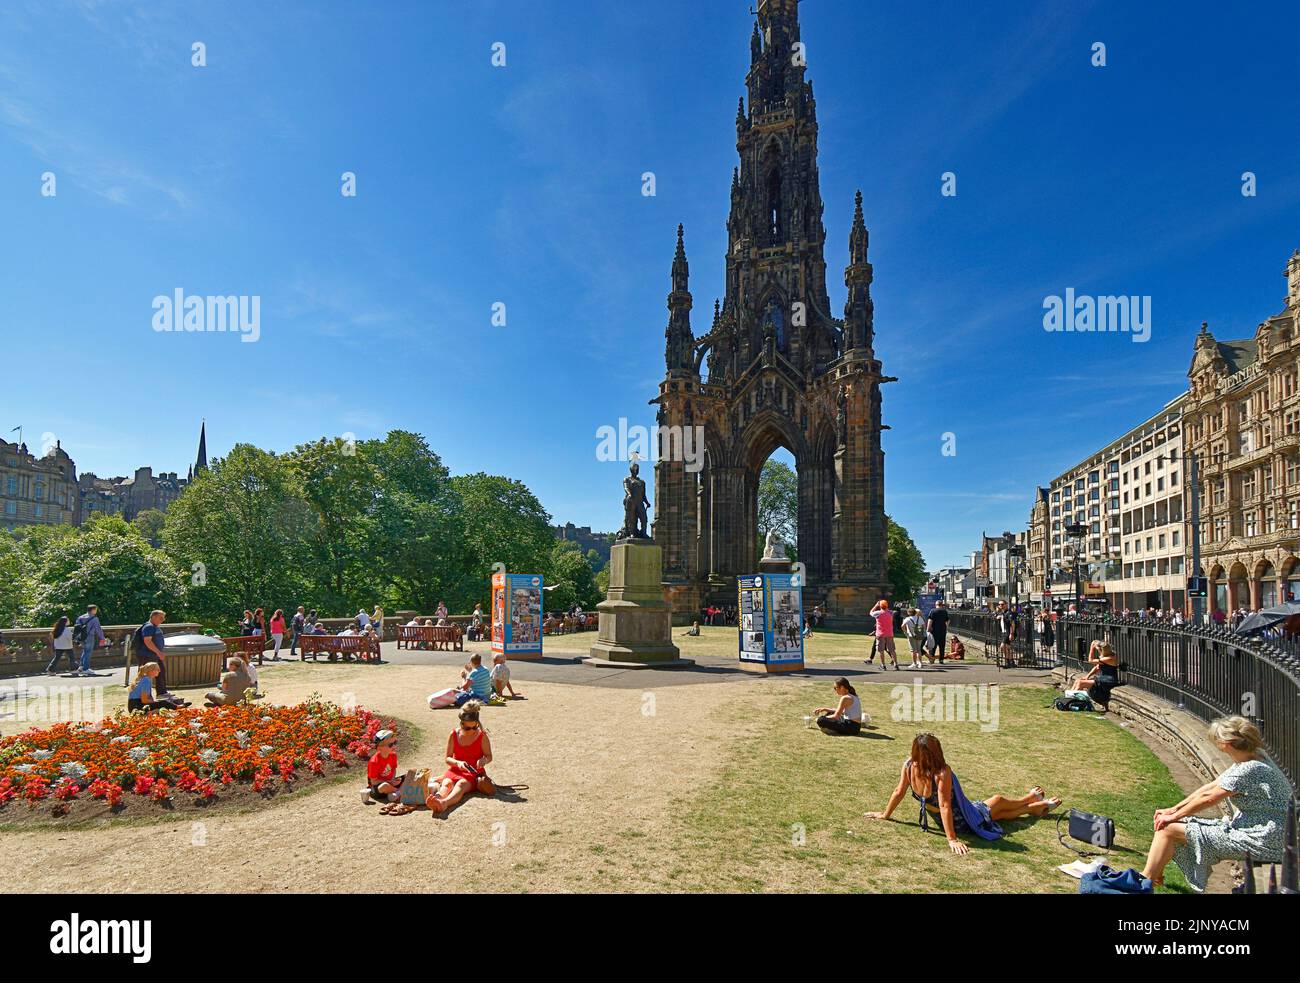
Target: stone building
(48, 490)
(1128, 498)
(585, 539)
(775, 368)
(37, 490)
(1242, 422)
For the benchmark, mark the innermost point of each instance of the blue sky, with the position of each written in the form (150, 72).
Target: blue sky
(522, 185)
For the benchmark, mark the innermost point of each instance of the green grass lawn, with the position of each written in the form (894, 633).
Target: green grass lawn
(825, 645)
(740, 833)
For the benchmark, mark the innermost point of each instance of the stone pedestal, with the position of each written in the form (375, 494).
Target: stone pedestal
(635, 619)
(771, 564)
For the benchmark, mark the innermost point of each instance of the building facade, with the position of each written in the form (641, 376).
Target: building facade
(1243, 426)
(37, 491)
(775, 368)
(48, 491)
(1128, 499)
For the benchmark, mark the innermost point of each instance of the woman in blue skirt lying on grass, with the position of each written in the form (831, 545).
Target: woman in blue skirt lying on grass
(933, 784)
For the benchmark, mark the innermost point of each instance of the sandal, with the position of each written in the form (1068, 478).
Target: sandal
(400, 810)
(388, 809)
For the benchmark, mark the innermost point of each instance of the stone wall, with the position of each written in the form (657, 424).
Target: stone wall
(28, 651)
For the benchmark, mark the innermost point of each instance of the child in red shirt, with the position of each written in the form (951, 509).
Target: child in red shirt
(381, 773)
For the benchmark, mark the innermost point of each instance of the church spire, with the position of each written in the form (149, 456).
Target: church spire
(679, 353)
(201, 462)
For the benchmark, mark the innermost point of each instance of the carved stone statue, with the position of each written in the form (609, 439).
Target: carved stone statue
(635, 519)
(775, 547)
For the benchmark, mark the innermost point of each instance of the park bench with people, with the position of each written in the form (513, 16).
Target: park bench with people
(446, 638)
(247, 647)
(364, 647)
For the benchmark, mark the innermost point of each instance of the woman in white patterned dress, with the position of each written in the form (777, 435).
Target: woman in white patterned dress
(1258, 794)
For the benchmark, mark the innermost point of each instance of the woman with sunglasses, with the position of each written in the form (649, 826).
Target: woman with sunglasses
(469, 752)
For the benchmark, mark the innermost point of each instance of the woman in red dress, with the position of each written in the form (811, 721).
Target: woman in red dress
(469, 752)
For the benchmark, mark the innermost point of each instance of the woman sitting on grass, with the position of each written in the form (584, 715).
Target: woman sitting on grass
(1258, 792)
(469, 752)
(933, 784)
(846, 717)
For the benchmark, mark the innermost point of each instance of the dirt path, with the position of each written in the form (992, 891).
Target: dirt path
(600, 763)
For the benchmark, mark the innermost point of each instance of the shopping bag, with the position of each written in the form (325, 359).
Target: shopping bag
(442, 699)
(415, 787)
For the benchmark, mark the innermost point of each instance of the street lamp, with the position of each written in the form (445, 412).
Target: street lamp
(1077, 531)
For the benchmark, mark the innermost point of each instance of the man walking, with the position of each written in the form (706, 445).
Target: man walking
(299, 623)
(89, 634)
(937, 626)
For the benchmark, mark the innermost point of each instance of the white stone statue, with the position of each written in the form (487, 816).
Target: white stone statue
(775, 547)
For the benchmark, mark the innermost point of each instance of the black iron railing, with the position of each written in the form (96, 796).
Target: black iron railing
(1028, 645)
(1208, 671)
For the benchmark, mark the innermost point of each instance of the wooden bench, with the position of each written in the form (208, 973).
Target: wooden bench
(446, 638)
(247, 647)
(364, 647)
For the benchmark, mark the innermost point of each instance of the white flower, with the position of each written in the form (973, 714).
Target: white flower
(120, 740)
(73, 769)
(24, 769)
(42, 755)
(209, 757)
(265, 749)
(138, 753)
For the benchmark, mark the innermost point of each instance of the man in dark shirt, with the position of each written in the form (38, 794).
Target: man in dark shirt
(1006, 632)
(937, 626)
(150, 643)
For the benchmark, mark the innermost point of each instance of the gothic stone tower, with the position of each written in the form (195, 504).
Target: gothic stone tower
(775, 367)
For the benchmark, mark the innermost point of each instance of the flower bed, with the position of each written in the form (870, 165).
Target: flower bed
(190, 757)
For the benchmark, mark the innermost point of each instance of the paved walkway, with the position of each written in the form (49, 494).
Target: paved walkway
(565, 666)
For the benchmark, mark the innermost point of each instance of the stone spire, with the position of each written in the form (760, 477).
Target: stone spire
(859, 311)
(1293, 280)
(201, 462)
(679, 353)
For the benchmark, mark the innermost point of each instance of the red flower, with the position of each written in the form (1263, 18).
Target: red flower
(66, 789)
(35, 787)
(160, 791)
(206, 790)
(143, 784)
(7, 790)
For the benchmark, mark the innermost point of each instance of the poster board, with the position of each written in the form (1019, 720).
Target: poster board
(517, 601)
(769, 610)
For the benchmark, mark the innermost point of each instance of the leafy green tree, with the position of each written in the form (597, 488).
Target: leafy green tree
(13, 580)
(570, 579)
(107, 563)
(905, 564)
(504, 523)
(242, 531)
(417, 521)
(340, 487)
(778, 505)
(149, 523)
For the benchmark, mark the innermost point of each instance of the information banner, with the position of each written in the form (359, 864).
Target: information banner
(517, 614)
(926, 602)
(770, 612)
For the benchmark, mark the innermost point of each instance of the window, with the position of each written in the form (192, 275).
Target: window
(40, 509)
(1175, 537)
(1248, 485)
(39, 492)
(1252, 527)
(11, 485)
(11, 508)
(1270, 524)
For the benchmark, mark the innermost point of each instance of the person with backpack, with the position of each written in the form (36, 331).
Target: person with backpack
(88, 633)
(299, 623)
(914, 628)
(148, 644)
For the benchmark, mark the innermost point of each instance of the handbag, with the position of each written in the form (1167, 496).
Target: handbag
(485, 785)
(415, 787)
(1087, 827)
